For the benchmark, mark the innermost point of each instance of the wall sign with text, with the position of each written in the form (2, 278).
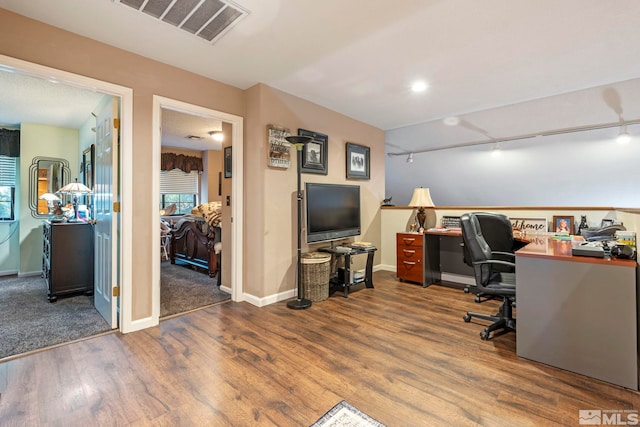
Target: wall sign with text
(529, 225)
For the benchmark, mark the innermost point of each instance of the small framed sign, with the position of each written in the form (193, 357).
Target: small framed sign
(529, 225)
(279, 147)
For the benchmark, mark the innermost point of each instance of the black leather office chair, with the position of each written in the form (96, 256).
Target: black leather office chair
(489, 279)
(498, 233)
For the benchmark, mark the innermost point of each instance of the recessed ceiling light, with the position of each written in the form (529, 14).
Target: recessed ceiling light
(451, 121)
(419, 86)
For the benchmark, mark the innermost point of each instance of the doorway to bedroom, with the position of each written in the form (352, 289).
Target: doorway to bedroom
(195, 190)
(191, 190)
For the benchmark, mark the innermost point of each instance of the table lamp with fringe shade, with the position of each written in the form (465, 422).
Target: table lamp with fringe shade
(421, 199)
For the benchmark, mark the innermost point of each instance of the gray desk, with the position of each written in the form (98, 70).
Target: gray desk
(578, 313)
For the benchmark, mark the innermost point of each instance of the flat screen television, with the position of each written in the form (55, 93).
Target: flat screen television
(333, 211)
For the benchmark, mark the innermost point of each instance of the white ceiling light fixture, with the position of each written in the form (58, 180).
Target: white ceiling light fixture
(623, 137)
(410, 158)
(217, 136)
(419, 86)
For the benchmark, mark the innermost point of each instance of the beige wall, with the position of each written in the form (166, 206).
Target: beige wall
(270, 193)
(33, 41)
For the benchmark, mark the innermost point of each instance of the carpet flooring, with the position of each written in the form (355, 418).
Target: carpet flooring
(28, 321)
(183, 289)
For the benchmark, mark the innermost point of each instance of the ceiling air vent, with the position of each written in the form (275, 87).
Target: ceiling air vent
(207, 19)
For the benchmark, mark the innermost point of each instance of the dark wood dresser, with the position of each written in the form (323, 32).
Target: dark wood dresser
(67, 258)
(409, 257)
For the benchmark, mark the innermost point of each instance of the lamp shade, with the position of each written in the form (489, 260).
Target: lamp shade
(421, 198)
(74, 188)
(49, 197)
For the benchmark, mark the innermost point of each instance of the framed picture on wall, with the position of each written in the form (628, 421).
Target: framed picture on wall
(227, 162)
(358, 161)
(314, 153)
(87, 167)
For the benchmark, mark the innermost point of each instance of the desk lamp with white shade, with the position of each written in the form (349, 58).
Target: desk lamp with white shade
(421, 199)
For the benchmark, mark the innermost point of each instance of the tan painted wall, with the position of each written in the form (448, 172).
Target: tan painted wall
(270, 193)
(36, 42)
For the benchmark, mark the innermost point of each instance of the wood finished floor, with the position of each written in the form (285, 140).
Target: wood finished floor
(399, 352)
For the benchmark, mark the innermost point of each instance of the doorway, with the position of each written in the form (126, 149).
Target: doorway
(232, 202)
(122, 263)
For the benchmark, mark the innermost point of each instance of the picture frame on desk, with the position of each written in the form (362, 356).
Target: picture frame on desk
(563, 224)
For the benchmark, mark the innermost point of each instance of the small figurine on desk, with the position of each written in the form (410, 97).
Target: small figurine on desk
(387, 202)
(583, 224)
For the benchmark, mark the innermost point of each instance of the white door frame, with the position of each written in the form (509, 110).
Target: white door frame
(126, 162)
(237, 219)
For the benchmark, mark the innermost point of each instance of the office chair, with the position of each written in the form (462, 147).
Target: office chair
(498, 233)
(489, 279)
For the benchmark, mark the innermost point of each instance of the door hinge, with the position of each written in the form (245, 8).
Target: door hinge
(116, 206)
(116, 123)
(116, 291)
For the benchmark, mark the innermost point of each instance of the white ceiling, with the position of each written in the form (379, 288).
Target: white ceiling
(359, 58)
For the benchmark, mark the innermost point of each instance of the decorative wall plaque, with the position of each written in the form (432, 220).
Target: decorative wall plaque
(279, 149)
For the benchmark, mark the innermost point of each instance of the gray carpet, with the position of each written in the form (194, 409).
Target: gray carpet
(183, 289)
(28, 321)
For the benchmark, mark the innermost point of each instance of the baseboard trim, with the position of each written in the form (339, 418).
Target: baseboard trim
(385, 267)
(8, 273)
(458, 278)
(30, 273)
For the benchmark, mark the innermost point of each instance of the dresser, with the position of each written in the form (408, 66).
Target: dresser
(409, 257)
(67, 258)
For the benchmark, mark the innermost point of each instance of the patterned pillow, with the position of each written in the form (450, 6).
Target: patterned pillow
(211, 212)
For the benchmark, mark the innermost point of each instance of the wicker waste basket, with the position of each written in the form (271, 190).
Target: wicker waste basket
(315, 275)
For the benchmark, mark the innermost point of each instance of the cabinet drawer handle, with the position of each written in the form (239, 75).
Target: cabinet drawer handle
(408, 251)
(409, 263)
(408, 241)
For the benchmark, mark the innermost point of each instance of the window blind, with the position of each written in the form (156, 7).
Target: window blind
(7, 171)
(178, 182)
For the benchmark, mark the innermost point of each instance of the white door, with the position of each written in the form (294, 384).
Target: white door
(106, 226)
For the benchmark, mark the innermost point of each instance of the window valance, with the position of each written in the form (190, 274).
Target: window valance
(9, 143)
(170, 161)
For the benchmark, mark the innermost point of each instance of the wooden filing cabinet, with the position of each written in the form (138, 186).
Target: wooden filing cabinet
(409, 257)
(67, 258)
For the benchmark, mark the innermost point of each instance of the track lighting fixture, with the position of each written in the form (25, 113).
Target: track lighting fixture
(623, 136)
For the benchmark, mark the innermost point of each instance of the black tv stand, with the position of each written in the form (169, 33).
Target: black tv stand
(344, 283)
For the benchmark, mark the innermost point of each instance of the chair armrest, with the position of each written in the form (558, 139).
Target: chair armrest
(506, 254)
(496, 261)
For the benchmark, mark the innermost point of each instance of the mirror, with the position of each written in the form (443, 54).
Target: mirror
(46, 176)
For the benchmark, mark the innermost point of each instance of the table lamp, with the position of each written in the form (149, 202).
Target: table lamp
(421, 199)
(50, 198)
(75, 189)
